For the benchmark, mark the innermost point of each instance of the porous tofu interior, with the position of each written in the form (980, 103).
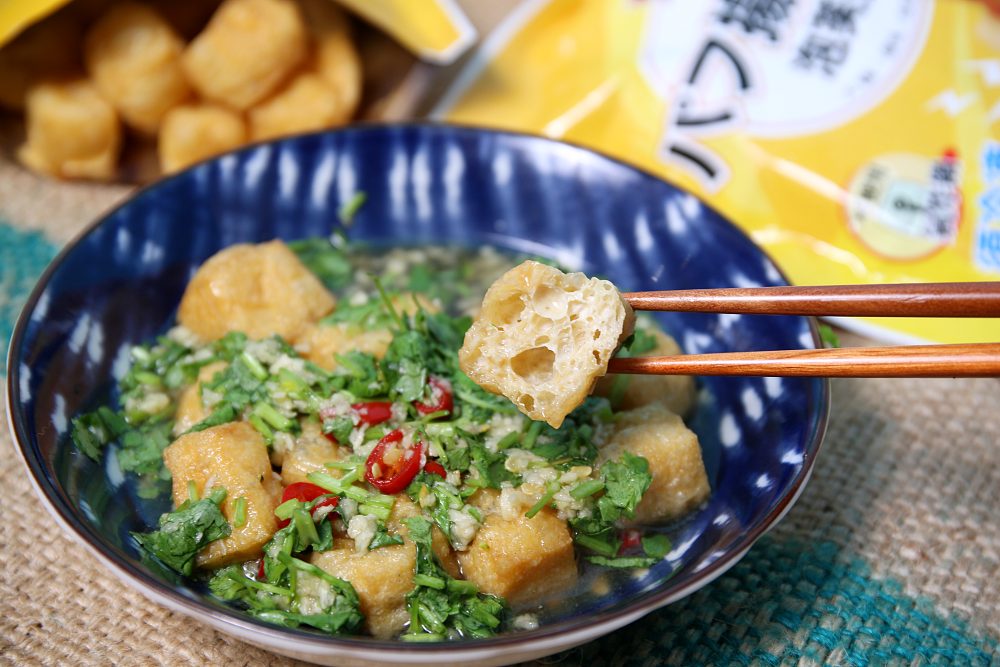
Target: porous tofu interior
(261, 290)
(543, 338)
(679, 483)
(232, 456)
(676, 392)
(522, 560)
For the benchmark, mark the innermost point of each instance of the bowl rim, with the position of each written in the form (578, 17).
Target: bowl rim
(561, 634)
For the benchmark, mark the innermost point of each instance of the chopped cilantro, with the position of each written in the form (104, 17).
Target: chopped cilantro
(185, 531)
(442, 607)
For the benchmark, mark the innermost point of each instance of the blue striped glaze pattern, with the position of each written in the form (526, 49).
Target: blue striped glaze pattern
(120, 283)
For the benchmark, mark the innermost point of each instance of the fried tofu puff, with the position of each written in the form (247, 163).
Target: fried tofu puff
(72, 131)
(519, 559)
(680, 483)
(194, 132)
(261, 290)
(383, 577)
(234, 457)
(133, 57)
(247, 50)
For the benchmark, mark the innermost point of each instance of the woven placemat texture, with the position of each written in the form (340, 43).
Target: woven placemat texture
(891, 556)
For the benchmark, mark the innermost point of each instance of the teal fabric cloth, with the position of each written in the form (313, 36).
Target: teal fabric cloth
(23, 257)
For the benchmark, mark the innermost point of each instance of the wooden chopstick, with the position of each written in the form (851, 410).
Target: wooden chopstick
(962, 360)
(972, 299)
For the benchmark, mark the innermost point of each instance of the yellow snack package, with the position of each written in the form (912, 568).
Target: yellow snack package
(855, 140)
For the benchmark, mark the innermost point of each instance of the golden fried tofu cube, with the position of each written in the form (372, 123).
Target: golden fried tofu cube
(260, 289)
(72, 131)
(335, 58)
(306, 103)
(133, 57)
(519, 559)
(194, 132)
(544, 337)
(311, 451)
(679, 483)
(404, 508)
(319, 343)
(190, 408)
(246, 51)
(677, 392)
(232, 456)
(382, 578)
(44, 50)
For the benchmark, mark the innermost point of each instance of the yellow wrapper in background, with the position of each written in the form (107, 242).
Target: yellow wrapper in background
(855, 140)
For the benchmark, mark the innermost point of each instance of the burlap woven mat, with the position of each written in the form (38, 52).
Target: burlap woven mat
(891, 556)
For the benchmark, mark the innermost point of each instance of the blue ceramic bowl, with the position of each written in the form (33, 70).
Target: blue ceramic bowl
(120, 282)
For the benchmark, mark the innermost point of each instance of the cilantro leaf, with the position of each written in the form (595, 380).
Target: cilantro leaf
(185, 531)
(656, 546)
(93, 430)
(625, 480)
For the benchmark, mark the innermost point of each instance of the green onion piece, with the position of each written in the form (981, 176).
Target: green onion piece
(289, 381)
(270, 414)
(374, 510)
(261, 427)
(440, 430)
(304, 526)
(588, 488)
(374, 433)
(508, 440)
(141, 355)
(429, 581)
(430, 618)
(382, 500)
(254, 366)
(532, 435)
(192, 491)
(462, 587)
(287, 508)
(431, 416)
(327, 481)
(351, 207)
(543, 501)
(217, 495)
(240, 512)
(147, 378)
(594, 544)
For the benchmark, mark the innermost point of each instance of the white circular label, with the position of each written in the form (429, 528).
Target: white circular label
(778, 68)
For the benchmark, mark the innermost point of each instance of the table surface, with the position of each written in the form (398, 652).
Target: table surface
(892, 554)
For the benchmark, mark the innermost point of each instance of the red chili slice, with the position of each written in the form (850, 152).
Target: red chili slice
(393, 477)
(441, 397)
(435, 468)
(306, 492)
(373, 412)
(630, 540)
(260, 570)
